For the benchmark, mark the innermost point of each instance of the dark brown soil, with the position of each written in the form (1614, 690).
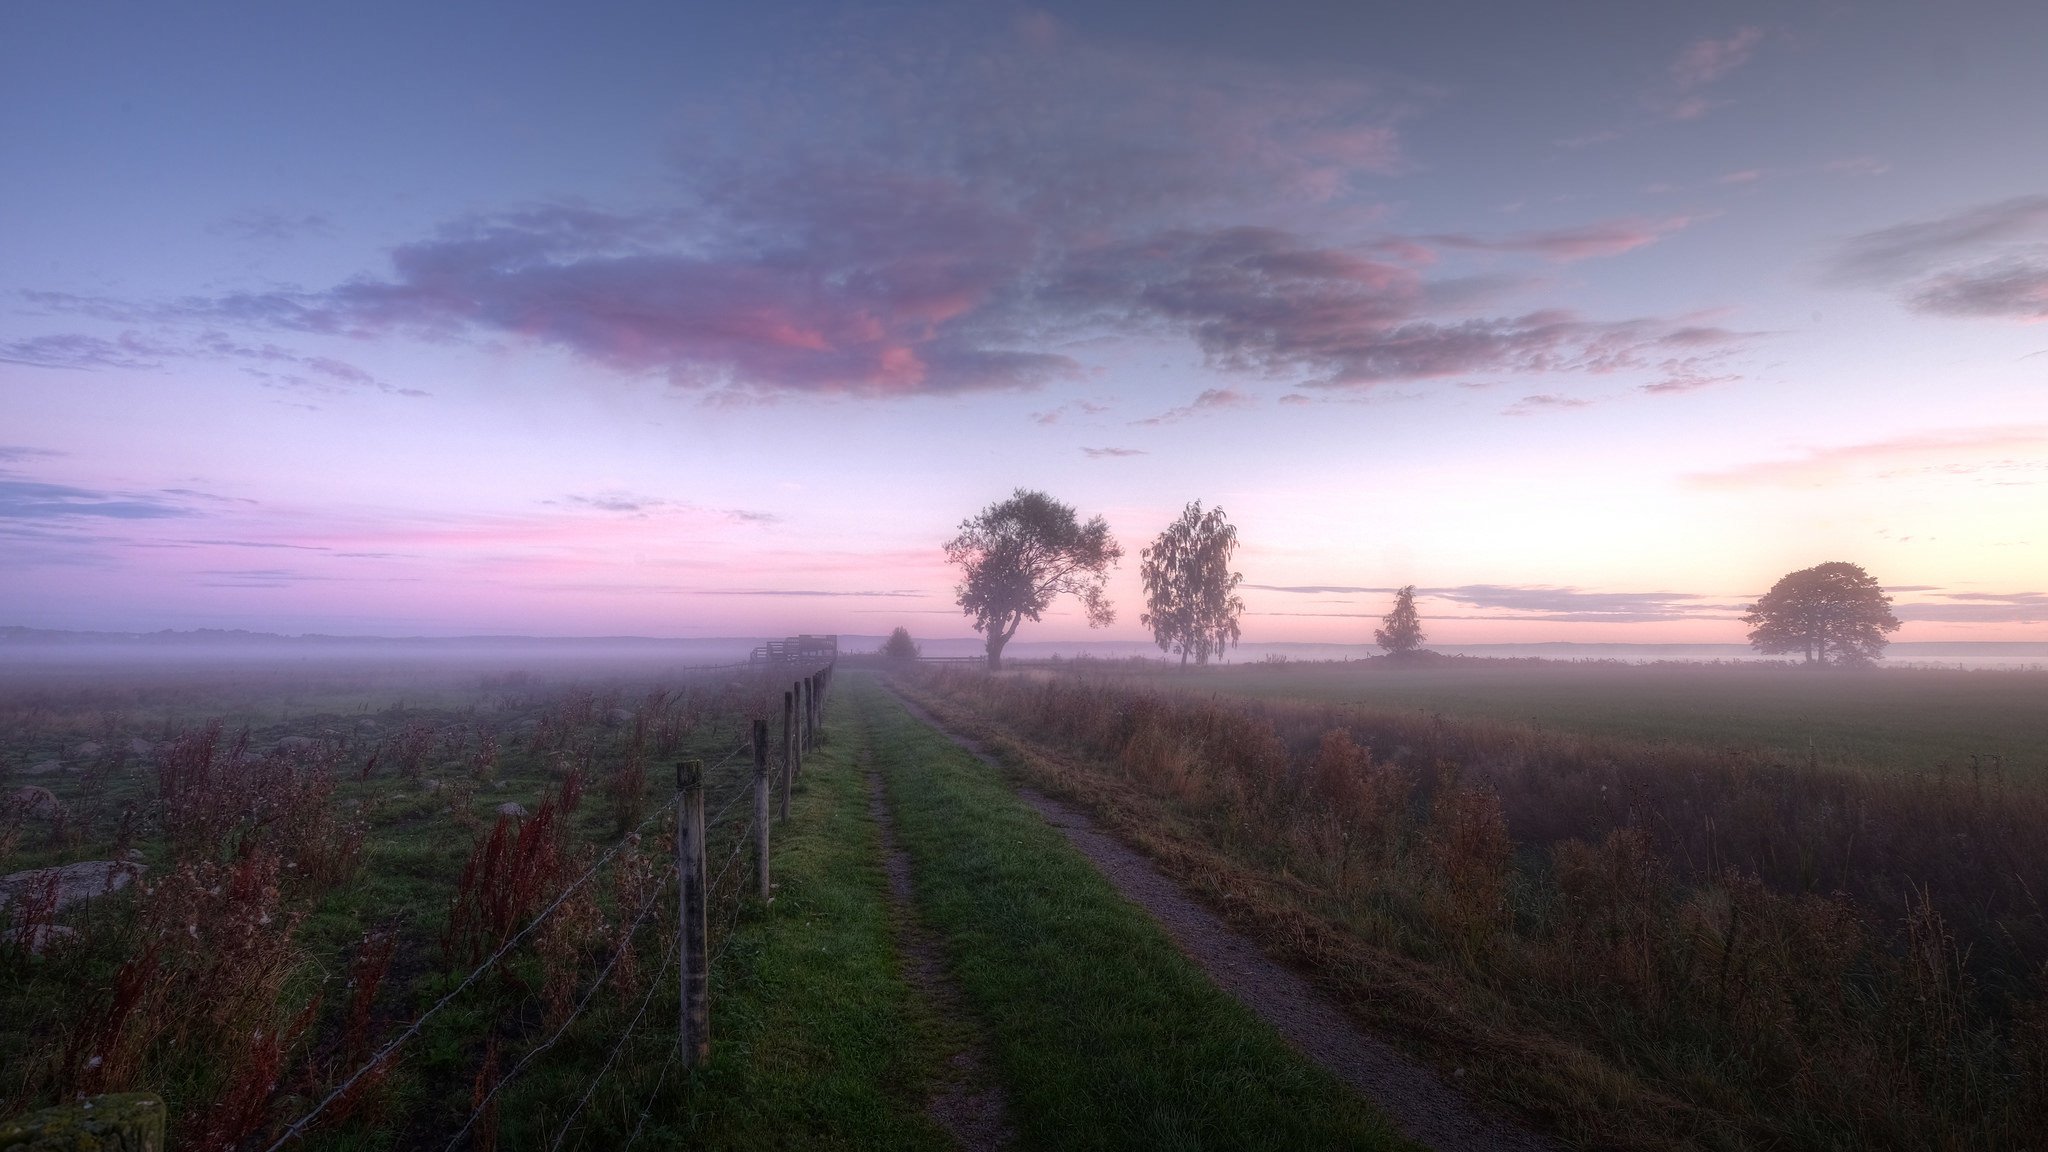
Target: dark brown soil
(1421, 1105)
(967, 1103)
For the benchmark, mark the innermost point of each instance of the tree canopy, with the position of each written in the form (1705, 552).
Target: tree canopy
(1190, 590)
(1833, 613)
(1020, 554)
(1400, 630)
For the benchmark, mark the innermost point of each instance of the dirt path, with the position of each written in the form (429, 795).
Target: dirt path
(968, 1103)
(1420, 1104)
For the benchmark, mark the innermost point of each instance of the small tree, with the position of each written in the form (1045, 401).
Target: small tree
(1020, 554)
(1833, 613)
(1189, 587)
(899, 645)
(1401, 631)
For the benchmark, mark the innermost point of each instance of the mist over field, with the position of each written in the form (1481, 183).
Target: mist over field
(1137, 574)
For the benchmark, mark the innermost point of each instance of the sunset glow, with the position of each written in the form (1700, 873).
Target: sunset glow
(655, 320)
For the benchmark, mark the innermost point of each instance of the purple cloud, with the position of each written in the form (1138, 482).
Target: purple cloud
(1603, 238)
(1211, 399)
(1987, 261)
(1111, 453)
(31, 500)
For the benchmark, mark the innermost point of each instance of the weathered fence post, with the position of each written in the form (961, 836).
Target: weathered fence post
(810, 712)
(694, 1038)
(797, 687)
(761, 806)
(788, 736)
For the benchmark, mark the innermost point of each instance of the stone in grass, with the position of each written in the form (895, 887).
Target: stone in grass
(39, 802)
(140, 747)
(87, 750)
(121, 1122)
(294, 743)
(44, 768)
(513, 809)
(75, 882)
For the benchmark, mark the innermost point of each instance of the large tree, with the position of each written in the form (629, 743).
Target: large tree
(1020, 554)
(1833, 613)
(1189, 588)
(1400, 630)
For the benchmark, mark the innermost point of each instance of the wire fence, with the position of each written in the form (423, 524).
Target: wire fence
(725, 783)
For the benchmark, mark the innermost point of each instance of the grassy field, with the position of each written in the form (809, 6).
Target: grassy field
(1894, 719)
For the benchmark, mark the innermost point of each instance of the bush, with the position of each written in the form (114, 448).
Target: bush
(899, 645)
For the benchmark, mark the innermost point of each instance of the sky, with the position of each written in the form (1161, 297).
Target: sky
(1588, 320)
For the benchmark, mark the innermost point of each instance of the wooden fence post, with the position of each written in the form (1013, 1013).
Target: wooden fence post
(797, 687)
(694, 1037)
(761, 807)
(810, 712)
(788, 737)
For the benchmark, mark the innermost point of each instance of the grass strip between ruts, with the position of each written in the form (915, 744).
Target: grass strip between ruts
(1104, 1035)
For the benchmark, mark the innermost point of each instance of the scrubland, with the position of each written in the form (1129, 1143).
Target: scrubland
(1655, 942)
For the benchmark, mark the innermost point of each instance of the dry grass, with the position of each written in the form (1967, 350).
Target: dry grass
(1647, 946)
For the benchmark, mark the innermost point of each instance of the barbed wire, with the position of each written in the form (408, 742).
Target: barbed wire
(646, 906)
(654, 985)
(297, 1127)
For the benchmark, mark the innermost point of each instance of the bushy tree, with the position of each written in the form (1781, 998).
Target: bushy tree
(1832, 613)
(1189, 588)
(1020, 554)
(1401, 629)
(899, 645)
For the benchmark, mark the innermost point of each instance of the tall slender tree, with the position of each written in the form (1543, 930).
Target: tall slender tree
(1190, 591)
(1833, 613)
(1021, 553)
(1400, 630)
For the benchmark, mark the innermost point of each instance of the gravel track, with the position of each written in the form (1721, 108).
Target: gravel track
(1424, 1108)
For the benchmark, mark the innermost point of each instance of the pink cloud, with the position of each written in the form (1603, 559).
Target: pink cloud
(1957, 451)
(1704, 61)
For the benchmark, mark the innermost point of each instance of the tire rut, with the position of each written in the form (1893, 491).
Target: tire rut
(967, 1102)
(1424, 1108)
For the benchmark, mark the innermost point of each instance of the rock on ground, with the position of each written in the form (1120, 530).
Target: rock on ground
(40, 802)
(43, 769)
(512, 808)
(75, 882)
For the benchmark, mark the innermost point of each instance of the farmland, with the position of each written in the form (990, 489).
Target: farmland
(1643, 942)
(1905, 720)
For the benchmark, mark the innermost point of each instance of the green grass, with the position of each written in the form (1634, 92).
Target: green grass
(1891, 719)
(1104, 1035)
(817, 1042)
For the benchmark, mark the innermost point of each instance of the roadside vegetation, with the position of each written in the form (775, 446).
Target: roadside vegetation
(1643, 945)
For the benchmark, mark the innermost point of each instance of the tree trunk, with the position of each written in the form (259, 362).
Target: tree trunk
(996, 639)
